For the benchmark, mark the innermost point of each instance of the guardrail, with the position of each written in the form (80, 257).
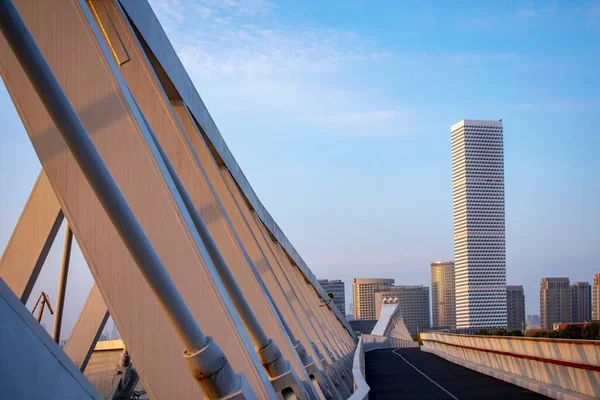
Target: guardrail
(558, 368)
(374, 342)
(368, 343)
(361, 389)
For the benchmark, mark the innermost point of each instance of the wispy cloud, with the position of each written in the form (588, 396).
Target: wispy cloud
(246, 60)
(236, 7)
(243, 59)
(361, 117)
(526, 12)
(560, 105)
(593, 12)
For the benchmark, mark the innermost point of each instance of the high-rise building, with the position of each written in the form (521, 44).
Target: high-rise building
(413, 302)
(515, 307)
(363, 296)
(555, 302)
(596, 297)
(478, 208)
(533, 321)
(114, 335)
(581, 302)
(335, 287)
(443, 301)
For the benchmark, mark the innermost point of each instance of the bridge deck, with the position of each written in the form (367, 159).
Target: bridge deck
(413, 374)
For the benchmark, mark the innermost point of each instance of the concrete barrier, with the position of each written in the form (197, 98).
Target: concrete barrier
(558, 368)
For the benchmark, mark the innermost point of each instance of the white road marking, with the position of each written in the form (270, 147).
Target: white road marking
(422, 373)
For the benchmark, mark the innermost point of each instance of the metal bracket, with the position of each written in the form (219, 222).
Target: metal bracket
(126, 379)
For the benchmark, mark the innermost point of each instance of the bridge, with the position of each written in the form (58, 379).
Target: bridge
(210, 297)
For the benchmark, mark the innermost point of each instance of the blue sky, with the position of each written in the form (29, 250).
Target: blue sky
(339, 113)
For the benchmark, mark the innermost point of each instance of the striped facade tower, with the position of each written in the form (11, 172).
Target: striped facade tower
(478, 207)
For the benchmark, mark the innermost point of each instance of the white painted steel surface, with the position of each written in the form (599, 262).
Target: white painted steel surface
(27, 347)
(391, 323)
(117, 80)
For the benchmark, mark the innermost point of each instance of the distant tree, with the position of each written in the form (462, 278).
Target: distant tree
(515, 332)
(417, 338)
(482, 332)
(570, 332)
(553, 334)
(500, 332)
(540, 334)
(531, 332)
(591, 331)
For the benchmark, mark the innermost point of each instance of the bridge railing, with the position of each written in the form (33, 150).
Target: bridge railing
(374, 342)
(558, 368)
(361, 389)
(368, 343)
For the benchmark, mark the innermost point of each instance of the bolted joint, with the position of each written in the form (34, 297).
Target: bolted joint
(271, 358)
(304, 356)
(205, 362)
(318, 380)
(124, 360)
(210, 368)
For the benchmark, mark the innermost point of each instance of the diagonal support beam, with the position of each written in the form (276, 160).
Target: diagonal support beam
(87, 329)
(32, 239)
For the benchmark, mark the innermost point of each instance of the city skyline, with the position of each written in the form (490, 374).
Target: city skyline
(382, 138)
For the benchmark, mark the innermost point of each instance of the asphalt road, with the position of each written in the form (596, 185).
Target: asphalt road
(413, 374)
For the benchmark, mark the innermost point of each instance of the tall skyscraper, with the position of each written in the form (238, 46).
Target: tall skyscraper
(596, 297)
(515, 307)
(336, 287)
(443, 300)
(363, 295)
(555, 302)
(581, 302)
(478, 207)
(413, 302)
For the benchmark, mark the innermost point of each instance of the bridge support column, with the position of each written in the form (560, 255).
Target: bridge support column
(74, 134)
(32, 239)
(277, 367)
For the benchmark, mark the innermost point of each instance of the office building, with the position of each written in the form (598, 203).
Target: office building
(335, 287)
(478, 210)
(363, 296)
(596, 297)
(555, 302)
(363, 326)
(515, 308)
(443, 301)
(413, 302)
(533, 321)
(581, 302)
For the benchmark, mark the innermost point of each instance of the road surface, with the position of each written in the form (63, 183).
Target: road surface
(413, 374)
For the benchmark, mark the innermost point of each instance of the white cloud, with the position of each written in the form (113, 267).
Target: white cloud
(243, 59)
(238, 7)
(362, 117)
(526, 12)
(566, 105)
(246, 61)
(593, 12)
